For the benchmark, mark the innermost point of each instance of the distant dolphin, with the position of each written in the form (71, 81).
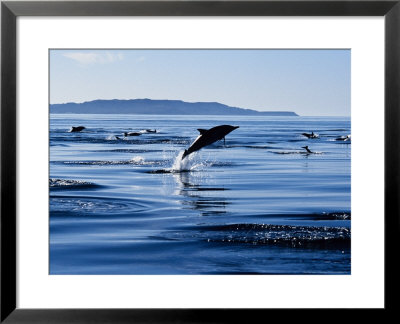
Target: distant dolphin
(312, 135)
(344, 138)
(77, 129)
(207, 137)
(307, 149)
(151, 131)
(132, 134)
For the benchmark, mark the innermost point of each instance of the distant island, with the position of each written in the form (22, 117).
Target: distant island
(158, 107)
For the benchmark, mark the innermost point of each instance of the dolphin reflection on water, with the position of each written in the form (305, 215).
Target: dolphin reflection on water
(207, 137)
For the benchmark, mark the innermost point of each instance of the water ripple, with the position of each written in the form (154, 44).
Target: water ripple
(266, 234)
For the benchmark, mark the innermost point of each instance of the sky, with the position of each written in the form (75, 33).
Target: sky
(308, 82)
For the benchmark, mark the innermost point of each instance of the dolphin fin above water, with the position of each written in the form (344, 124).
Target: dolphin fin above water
(76, 129)
(307, 149)
(202, 131)
(208, 137)
(310, 135)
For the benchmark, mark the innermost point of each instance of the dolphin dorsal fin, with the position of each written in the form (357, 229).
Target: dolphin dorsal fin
(202, 131)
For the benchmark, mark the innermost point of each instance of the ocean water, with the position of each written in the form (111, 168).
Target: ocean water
(256, 204)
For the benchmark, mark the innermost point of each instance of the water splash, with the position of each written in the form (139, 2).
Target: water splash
(67, 182)
(190, 163)
(112, 138)
(138, 160)
(56, 184)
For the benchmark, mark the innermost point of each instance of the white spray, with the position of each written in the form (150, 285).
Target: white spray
(190, 162)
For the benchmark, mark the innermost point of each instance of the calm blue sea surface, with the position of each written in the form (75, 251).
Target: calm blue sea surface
(257, 204)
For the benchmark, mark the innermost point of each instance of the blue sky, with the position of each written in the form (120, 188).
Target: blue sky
(309, 82)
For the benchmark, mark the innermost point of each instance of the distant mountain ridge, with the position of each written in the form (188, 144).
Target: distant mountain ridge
(158, 107)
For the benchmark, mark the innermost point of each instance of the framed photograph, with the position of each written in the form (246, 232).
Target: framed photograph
(189, 161)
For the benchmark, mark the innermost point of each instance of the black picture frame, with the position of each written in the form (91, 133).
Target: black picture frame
(10, 10)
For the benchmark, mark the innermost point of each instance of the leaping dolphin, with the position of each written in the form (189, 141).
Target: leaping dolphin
(207, 137)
